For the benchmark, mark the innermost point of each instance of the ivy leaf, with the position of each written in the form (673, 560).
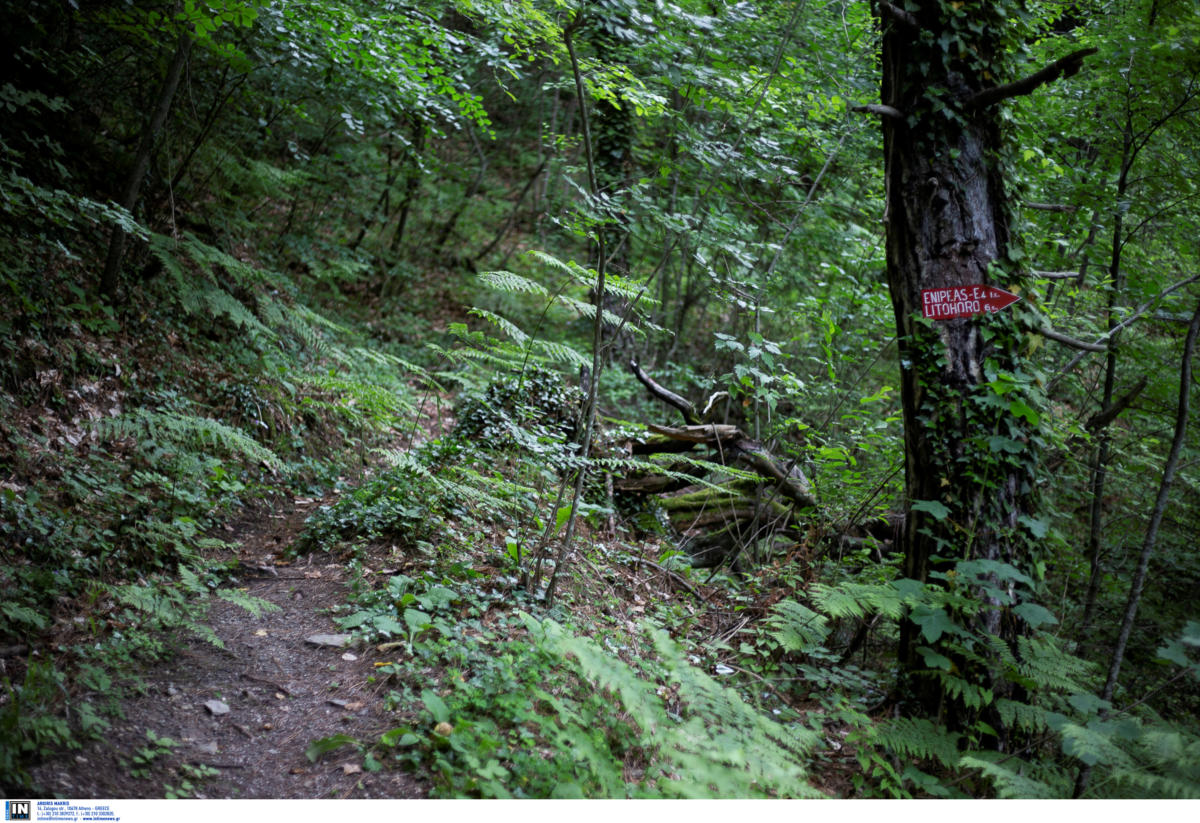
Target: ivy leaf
(1034, 615)
(934, 660)
(1021, 409)
(999, 443)
(933, 622)
(938, 510)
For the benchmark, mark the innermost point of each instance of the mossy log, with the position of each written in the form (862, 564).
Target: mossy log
(719, 522)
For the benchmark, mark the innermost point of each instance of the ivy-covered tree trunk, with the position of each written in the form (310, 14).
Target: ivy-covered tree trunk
(612, 132)
(970, 426)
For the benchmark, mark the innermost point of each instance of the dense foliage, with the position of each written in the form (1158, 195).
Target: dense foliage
(249, 248)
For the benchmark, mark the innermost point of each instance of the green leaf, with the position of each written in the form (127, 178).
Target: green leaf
(327, 744)
(417, 621)
(1034, 615)
(934, 660)
(939, 511)
(399, 737)
(933, 622)
(1088, 703)
(436, 706)
(1021, 409)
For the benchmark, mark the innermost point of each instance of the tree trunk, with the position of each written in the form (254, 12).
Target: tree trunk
(963, 381)
(141, 164)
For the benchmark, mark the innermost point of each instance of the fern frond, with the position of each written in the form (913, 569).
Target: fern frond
(588, 310)
(1048, 667)
(1010, 783)
(718, 745)
(1022, 716)
(506, 281)
(858, 600)
(562, 353)
(186, 430)
(797, 627)
(507, 326)
(918, 738)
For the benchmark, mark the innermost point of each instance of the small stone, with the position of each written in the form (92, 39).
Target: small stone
(335, 640)
(349, 658)
(341, 704)
(216, 707)
(351, 768)
(209, 747)
(172, 691)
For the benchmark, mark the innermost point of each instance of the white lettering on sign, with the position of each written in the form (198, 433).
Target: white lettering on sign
(964, 301)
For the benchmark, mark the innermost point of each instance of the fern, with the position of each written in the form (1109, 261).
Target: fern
(256, 606)
(1003, 773)
(917, 738)
(1046, 666)
(796, 627)
(715, 745)
(858, 600)
(562, 353)
(1022, 716)
(614, 284)
(506, 281)
(187, 430)
(506, 326)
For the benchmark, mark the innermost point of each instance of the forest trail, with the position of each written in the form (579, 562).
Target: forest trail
(282, 693)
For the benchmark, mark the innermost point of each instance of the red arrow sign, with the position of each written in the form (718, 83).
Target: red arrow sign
(964, 301)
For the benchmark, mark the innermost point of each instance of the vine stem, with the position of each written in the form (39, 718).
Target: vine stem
(589, 412)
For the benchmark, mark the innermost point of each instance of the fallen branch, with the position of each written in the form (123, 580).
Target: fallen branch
(678, 578)
(666, 395)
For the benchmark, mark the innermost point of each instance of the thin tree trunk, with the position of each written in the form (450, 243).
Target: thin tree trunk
(1156, 516)
(449, 225)
(589, 413)
(1100, 468)
(109, 280)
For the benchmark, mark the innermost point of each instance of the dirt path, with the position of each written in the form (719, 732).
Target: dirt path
(282, 692)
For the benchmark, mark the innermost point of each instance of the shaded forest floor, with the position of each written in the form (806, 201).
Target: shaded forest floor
(282, 692)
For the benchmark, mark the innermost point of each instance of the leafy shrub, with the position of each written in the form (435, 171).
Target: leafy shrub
(533, 409)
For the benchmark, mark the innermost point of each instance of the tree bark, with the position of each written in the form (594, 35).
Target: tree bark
(948, 225)
(109, 280)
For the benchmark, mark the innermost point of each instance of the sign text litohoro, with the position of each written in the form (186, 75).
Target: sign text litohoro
(964, 301)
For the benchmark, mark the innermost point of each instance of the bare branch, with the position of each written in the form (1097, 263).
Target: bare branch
(899, 15)
(1056, 275)
(1063, 67)
(664, 394)
(880, 109)
(1067, 340)
(1102, 418)
(1059, 207)
(1138, 312)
